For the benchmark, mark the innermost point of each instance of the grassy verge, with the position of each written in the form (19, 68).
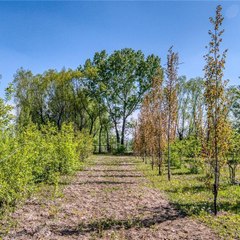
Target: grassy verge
(189, 193)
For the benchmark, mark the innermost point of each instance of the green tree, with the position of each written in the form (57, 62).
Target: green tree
(234, 156)
(234, 95)
(121, 79)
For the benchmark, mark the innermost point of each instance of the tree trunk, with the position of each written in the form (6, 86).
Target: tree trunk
(108, 142)
(159, 163)
(152, 161)
(91, 127)
(168, 140)
(123, 132)
(100, 141)
(117, 134)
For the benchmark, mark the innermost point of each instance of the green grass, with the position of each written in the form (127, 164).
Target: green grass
(190, 194)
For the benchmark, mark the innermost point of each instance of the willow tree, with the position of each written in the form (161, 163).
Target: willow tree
(218, 128)
(171, 101)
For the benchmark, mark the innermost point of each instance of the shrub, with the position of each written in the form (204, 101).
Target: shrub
(35, 155)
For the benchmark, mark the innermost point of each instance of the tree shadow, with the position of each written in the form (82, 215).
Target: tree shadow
(159, 215)
(194, 208)
(184, 173)
(104, 182)
(190, 189)
(207, 206)
(115, 164)
(117, 176)
(229, 206)
(110, 170)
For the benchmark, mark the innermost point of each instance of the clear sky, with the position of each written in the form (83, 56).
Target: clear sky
(43, 35)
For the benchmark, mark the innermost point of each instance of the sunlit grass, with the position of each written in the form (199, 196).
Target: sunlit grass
(190, 194)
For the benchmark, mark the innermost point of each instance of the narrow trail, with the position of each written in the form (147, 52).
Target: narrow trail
(108, 200)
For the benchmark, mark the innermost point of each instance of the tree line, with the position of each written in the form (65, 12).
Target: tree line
(59, 115)
(99, 96)
(192, 120)
(68, 111)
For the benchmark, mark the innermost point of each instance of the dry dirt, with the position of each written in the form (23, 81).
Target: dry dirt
(110, 199)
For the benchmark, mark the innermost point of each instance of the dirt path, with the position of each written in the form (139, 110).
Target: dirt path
(109, 200)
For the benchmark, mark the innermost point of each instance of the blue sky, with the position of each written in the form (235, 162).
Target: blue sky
(43, 35)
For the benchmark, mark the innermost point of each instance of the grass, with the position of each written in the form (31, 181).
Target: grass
(190, 194)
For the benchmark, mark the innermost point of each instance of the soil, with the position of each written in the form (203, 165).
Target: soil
(110, 199)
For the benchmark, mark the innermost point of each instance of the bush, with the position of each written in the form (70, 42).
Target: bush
(32, 156)
(120, 150)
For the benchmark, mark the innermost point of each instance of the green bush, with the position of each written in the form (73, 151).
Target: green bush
(120, 150)
(35, 155)
(187, 150)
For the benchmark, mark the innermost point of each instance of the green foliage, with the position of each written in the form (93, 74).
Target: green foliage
(84, 145)
(5, 114)
(120, 80)
(120, 150)
(189, 194)
(187, 150)
(193, 149)
(234, 98)
(176, 153)
(38, 155)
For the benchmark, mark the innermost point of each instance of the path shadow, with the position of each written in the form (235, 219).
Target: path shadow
(184, 173)
(190, 189)
(160, 215)
(116, 176)
(110, 170)
(103, 182)
(198, 208)
(114, 164)
(194, 208)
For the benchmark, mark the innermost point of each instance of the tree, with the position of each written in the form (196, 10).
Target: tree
(171, 100)
(121, 79)
(218, 127)
(234, 95)
(234, 156)
(158, 118)
(5, 110)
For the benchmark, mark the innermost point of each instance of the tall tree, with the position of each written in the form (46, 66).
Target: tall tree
(218, 128)
(122, 78)
(158, 118)
(171, 100)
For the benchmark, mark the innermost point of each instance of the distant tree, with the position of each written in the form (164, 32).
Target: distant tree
(218, 127)
(195, 88)
(183, 102)
(171, 101)
(234, 95)
(190, 101)
(121, 79)
(234, 156)
(55, 97)
(5, 114)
